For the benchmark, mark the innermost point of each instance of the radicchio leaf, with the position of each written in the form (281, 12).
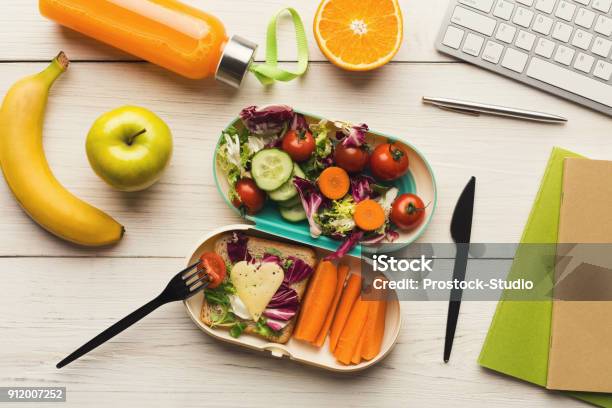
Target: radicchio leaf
(283, 314)
(266, 121)
(297, 271)
(391, 235)
(361, 187)
(311, 201)
(267, 257)
(346, 246)
(285, 297)
(282, 308)
(375, 239)
(237, 248)
(299, 123)
(354, 135)
(276, 325)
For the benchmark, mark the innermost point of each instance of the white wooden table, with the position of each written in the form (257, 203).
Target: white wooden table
(55, 296)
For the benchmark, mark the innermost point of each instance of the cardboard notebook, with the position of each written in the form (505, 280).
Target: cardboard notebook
(518, 340)
(581, 339)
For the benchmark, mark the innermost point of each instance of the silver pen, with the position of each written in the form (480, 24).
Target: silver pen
(475, 108)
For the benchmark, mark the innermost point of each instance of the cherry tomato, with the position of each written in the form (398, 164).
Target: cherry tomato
(407, 212)
(213, 265)
(351, 159)
(249, 196)
(299, 145)
(389, 161)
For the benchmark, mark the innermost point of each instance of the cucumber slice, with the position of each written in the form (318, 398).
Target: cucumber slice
(271, 168)
(293, 214)
(287, 190)
(292, 202)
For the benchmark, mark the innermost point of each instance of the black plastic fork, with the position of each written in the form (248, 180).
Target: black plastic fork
(182, 286)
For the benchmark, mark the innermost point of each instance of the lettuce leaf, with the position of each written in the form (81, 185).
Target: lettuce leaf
(336, 220)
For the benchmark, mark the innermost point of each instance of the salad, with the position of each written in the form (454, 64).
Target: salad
(324, 172)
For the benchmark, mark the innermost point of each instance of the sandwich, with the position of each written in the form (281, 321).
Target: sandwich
(263, 287)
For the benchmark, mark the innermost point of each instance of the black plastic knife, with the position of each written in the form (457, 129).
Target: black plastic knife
(461, 231)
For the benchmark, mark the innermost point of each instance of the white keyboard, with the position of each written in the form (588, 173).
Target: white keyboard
(561, 46)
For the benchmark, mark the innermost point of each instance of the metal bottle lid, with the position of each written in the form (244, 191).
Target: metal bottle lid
(234, 64)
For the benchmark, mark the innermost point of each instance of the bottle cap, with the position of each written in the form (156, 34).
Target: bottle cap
(235, 61)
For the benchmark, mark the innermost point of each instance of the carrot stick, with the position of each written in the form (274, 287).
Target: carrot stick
(317, 301)
(350, 293)
(374, 334)
(369, 215)
(347, 343)
(356, 359)
(334, 183)
(343, 271)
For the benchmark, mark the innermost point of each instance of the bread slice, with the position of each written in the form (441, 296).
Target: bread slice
(257, 247)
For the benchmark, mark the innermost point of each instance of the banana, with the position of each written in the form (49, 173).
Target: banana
(27, 172)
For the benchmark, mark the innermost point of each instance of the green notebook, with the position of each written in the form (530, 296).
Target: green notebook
(518, 340)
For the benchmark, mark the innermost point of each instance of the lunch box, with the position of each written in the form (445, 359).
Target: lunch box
(294, 349)
(419, 180)
(270, 225)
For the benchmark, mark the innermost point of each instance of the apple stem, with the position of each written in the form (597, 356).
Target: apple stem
(131, 139)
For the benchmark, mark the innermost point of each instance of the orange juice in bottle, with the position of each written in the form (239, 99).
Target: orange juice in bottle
(168, 33)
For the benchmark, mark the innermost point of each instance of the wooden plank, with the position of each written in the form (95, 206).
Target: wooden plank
(26, 35)
(165, 360)
(507, 156)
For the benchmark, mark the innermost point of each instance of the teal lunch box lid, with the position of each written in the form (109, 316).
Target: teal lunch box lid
(419, 180)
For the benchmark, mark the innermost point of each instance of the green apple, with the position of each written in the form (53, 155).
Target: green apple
(129, 148)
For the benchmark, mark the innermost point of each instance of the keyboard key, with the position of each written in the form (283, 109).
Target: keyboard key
(562, 31)
(505, 33)
(523, 17)
(473, 44)
(601, 47)
(564, 55)
(602, 5)
(545, 48)
(570, 81)
(545, 6)
(474, 21)
(603, 70)
(603, 25)
(503, 9)
(482, 5)
(492, 52)
(582, 39)
(542, 24)
(585, 2)
(565, 10)
(515, 60)
(453, 37)
(525, 2)
(584, 62)
(585, 18)
(525, 40)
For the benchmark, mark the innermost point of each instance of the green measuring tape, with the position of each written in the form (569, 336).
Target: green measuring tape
(269, 71)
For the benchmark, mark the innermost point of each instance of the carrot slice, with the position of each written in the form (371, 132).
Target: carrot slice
(369, 215)
(356, 359)
(334, 183)
(343, 271)
(317, 301)
(347, 343)
(350, 293)
(375, 330)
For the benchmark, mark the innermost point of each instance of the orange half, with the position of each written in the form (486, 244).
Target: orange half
(359, 35)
